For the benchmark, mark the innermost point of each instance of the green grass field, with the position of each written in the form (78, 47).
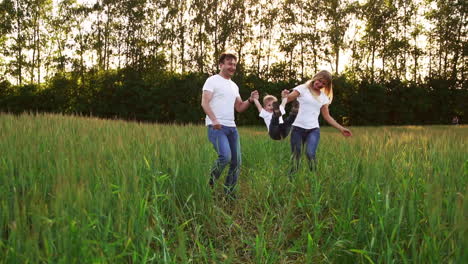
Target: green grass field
(82, 190)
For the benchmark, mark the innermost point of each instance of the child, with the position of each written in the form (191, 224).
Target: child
(272, 113)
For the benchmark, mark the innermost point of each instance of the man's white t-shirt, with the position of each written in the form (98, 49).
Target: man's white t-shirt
(225, 93)
(267, 116)
(309, 107)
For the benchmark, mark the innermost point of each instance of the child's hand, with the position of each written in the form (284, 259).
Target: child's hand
(254, 95)
(284, 93)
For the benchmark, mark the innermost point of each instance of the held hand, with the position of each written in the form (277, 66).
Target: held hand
(254, 95)
(346, 132)
(284, 93)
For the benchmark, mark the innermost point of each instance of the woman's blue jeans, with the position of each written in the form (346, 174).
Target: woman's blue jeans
(226, 143)
(308, 138)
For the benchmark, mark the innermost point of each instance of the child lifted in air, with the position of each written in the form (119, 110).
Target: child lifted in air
(272, 113)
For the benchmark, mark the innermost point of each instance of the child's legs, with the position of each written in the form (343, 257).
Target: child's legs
(221, 145)
(274, 130)
(290, 119)
(286, 126)
(312, 141)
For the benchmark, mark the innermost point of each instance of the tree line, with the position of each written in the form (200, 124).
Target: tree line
(147, 59)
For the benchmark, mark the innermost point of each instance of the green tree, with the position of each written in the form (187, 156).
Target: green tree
(289, 40)
(311, 37)
(200, 19)
(104, 10)
(19, 31)
(7, 10)
(337, 17)
(242, 30)
(378, 16)
(40, 10)
(61, 28)
(449, 38)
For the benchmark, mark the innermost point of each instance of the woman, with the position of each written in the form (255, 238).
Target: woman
(314, 97)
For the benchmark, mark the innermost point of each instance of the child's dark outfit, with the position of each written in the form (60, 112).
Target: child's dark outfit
(277, 128)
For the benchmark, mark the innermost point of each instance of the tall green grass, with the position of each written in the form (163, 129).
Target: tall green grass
(82, 190)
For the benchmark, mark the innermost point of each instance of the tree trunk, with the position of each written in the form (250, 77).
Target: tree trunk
(302, 44)
(99, 42)
(33, 63)
(337, 59)
(181, 36)
(415, 57)
(38, 53)
(81, 56)
(457, 50)
(200, 47)
(383, 53)
(172, 54)
(241, 39)
(119, 49)
(216, 54)
(106, 39)
(314, 49)
(259, 54)
(268, 51)
(19, 55)
(372, 64)
(430, 56)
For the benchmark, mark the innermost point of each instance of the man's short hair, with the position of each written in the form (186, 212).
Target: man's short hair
(226, 55)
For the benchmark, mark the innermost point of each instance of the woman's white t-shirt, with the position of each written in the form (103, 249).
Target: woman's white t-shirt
(267, 116)
(309, 107)
(224, 97)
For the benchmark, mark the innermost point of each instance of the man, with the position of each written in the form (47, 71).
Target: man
(220, 98)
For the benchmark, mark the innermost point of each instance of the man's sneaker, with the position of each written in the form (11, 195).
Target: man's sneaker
(294, 107)
(276, 109)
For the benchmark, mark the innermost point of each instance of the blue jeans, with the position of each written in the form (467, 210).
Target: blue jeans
(226, 143)
(300, 137)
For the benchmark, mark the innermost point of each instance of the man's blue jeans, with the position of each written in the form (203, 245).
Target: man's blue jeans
(227, 145)
(304, 137)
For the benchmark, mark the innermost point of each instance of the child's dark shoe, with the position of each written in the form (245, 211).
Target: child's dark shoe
(294, 107)
(276, 109)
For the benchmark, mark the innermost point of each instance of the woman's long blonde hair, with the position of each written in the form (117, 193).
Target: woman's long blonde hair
(328, 90)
